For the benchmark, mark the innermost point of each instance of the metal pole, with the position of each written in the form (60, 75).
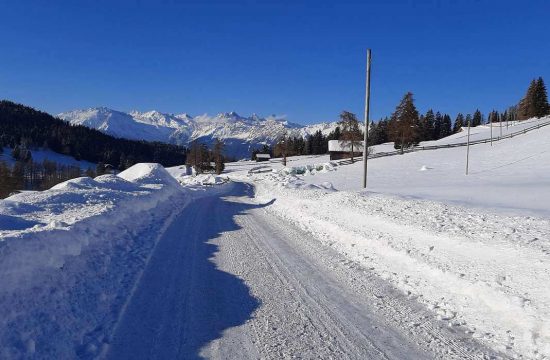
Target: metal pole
(500, 124)
(366, 136)
(468, 148)
(491, 124)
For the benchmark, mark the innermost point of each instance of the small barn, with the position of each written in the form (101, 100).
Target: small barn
(341, 149)
(262, 157)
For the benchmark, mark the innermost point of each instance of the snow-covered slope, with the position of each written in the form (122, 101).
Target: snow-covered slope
(241, 134)
(473, 248)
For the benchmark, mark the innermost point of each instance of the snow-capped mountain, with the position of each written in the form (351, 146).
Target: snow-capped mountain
(240, 134)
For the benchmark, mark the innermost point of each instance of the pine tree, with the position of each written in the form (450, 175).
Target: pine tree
(459, 123)
(438, 124)
(404, 123)
(535, 101)
(477, 119)
(542, 108)
(446, 126)
(526, 106)
(426, 128)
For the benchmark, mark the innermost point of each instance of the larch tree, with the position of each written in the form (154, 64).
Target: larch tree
(351, 134)
(281, 148)
(218, 156)
(404, 123)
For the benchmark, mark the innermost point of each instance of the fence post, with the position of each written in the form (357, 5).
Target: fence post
(468, 148)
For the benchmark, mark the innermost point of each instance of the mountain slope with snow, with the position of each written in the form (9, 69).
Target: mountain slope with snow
(241, 134)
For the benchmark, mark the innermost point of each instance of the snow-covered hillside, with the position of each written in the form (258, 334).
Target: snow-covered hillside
(241, 134)
(39, 155)
(473, 248)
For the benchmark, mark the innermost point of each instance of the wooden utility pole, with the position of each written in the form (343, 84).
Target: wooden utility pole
(366, 137)
(468, 148)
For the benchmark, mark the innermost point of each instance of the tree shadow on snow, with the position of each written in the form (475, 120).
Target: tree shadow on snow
(183, 301)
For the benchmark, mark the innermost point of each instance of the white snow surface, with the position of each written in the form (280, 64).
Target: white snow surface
(475, 249)
(67, 254)
(39, 155)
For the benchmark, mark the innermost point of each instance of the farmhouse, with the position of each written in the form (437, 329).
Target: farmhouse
(262, 157)
(341, 149)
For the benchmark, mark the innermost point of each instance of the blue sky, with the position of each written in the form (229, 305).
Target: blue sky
(305, 59)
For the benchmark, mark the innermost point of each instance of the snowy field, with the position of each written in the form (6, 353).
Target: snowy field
(509, 177)
(474, 248)
(39, 155)
(272, 262)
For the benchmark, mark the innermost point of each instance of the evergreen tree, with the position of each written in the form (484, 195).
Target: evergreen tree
(526, 106)
(404, 123)
(426, 128)
(459, 123)
(446, 126)
(438, 125)
(335, 134)
(379, 132)
(477, 119)
(542, 108)
(535, 101)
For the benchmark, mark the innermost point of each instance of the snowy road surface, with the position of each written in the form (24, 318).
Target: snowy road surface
(230, 280)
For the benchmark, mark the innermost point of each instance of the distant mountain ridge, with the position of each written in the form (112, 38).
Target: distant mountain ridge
(241, 134)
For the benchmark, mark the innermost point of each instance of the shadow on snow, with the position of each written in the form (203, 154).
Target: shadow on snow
(183, 301)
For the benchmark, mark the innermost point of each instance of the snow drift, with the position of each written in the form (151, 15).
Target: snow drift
(69, 256)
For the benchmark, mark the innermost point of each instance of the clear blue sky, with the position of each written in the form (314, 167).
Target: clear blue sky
(305, 59)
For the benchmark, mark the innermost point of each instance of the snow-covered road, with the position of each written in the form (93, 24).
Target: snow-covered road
(229, 279)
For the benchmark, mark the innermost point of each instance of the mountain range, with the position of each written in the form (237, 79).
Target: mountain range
(240, 134)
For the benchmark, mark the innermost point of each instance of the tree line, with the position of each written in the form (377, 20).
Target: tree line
(204, 159)
(31, 175)
(406, 127)
(25, 127)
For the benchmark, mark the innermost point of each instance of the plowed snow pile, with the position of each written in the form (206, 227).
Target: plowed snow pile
(475, 249)
(69, 256)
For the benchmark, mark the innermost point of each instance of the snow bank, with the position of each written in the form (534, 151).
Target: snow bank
(309, 169)
(69, 256)
(481, 273)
